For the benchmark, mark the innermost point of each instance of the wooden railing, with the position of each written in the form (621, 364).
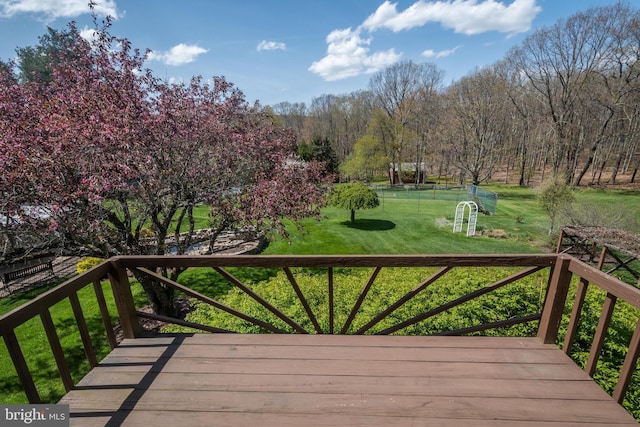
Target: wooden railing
(40, 307)
(560, 270)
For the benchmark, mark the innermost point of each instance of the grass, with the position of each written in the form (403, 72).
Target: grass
(377, 232)
(407, 226)
(398, 226)
(200, 217)
(211, 283)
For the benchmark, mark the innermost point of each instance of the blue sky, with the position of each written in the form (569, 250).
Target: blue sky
(295, 50)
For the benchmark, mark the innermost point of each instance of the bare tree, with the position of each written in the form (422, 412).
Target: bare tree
(341, 119)
(400, 90)
(424, 122)
(292, 116)
(479, 111)
(609, 110)
(523, 140)
(560, 61)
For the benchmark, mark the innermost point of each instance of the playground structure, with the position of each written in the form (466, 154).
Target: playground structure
(471, 222)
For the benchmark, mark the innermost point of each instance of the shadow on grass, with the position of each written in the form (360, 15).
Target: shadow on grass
(370, 224)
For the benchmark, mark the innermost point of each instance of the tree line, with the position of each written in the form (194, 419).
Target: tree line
(564, 103)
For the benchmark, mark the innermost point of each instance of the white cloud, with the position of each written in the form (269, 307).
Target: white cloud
(271, 45)
(89, 34)
(429, 53)
(348, 56)
(178, 55)
(348, 52)
(463, 16)
(53, 9)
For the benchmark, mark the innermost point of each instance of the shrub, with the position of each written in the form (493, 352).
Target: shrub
(517, 299)
(554, 197)
(87, 263)
(354, 196)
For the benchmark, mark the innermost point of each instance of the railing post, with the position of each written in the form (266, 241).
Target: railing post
(601, 333)
(560, 240)
(629, 366)
(22, 369)
(124, 300)
(331, 302)
(555, 300)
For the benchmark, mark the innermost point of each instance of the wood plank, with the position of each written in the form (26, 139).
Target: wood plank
(144, 367)
(94, 420)
(629, 366)
(342, 340)
(235, 419)
(123, 298)
(601, 333)
(351, 367)
(613, 285)
(104, 313)
(31, 309)
(555, 300)
(576, 313)
(470, 387)
(20, 364)
(482, 355)
(56, 349)
(569, 410)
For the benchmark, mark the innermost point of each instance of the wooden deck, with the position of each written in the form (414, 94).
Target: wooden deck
(331, 380)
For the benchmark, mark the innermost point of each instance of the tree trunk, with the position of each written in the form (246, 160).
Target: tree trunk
(589, 162)
(160, 296)
(616, 168)
(353, 216)
(600, 172)
(584, 170)
(475, 178)
(522, 164)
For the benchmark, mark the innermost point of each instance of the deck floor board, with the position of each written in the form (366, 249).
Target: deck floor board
(316, 380)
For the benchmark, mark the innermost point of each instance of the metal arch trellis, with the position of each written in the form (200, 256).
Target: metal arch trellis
(459, 219)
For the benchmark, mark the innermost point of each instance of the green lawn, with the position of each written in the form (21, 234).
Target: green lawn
(400, 226)
(406, 226)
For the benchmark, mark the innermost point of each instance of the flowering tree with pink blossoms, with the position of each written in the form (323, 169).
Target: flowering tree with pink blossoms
(108, 155)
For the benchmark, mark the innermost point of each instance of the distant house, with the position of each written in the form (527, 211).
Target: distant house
(405, 173)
